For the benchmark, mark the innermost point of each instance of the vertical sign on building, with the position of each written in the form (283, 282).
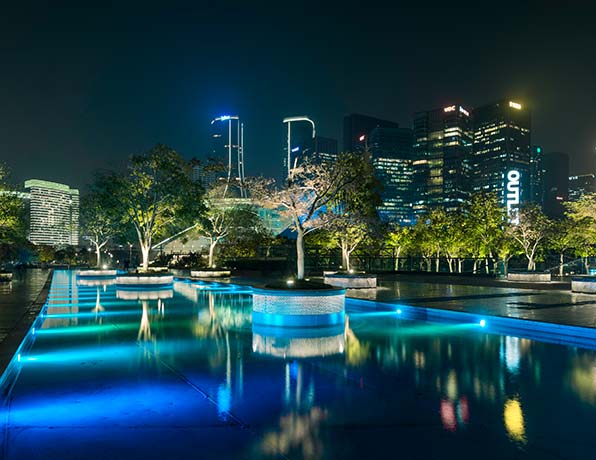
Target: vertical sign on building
(512, 196)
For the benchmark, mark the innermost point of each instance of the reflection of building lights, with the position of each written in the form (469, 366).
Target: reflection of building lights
(452, 385)
(463, 410)
(510, 353)
(447, 411)
(514, 420)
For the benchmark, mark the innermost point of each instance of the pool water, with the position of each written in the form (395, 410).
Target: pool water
(180, 373)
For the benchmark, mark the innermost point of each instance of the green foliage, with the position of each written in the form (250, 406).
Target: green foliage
(12, 214)
(531, 233)
(158, 196)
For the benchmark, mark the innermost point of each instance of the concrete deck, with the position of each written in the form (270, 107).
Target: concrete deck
(20, 302)
(548, 302)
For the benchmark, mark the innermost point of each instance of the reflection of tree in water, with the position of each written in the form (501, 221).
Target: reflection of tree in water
(297, 431)
(582, 377)
(299, 428)
(357, 352)
(98, 307)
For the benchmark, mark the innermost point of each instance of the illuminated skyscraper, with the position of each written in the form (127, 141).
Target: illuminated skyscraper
(325, 149)
(501, 145)
(227, 138)
(442, 153)
(356, 126)
(536, 191)
(391, 154)
(53, 213)
(556, 183)
(583, 184)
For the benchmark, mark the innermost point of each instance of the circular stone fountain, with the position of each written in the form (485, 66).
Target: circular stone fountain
(210, 273)
(97, 273)
(298, 307)
(145, 280)
(350, 280)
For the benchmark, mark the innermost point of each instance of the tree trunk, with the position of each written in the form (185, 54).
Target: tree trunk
(486, 266)
(212, 245)
(345, 258)
(530, 264)
(437, 261)
(460, 265)
(561, 260)
(505, 266)
(98, 255)
(300, 254)
(475, 267)
(145, 252)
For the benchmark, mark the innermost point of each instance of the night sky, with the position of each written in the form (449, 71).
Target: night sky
(82, 88)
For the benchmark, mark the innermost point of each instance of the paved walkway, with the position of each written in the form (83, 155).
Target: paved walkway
(553, 306)
(18, 309)
(552, 302)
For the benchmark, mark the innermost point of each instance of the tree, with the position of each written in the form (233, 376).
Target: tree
(307, 196)
(400, 239)
(158, 196)
(353, 217)
(563, 238)
(12, 215)
(100, 214)
(531, 232)
(583, 215)
(224, 217)
(486, 222)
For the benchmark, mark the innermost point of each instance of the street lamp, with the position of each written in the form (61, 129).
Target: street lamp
(289, 121)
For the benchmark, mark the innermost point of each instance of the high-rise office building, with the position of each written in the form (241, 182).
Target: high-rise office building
(536, 186)
(556, 183)
(358, 128)
(325, 149)
(227, 146)
(581, 185)
(53, 213)
(442, 153)
(501, 153)
(391, 155)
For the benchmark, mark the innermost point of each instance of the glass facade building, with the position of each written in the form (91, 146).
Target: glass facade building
(53, 213)
(501, 144)
(357, 125)
(442, 152)
(583, 184)
(391, 155)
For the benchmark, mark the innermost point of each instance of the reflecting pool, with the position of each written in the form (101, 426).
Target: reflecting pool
(181, 373)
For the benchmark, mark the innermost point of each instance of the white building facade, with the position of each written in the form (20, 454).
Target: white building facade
(53, 213)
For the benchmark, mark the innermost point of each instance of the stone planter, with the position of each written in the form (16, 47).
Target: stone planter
(351, 281)
(210, 273)
(298, 307)
(5, 276)
(100, 281)
(583, 284)
(97, 274)
(144, 280)
(530, 277)
(280, 342)
(144, 294)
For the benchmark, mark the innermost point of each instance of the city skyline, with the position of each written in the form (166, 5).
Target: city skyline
(91, 104)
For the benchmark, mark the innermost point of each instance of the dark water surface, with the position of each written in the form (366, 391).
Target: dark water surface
(182, 374)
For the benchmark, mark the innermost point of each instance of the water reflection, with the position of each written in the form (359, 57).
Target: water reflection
(514, 420)
(286, 343)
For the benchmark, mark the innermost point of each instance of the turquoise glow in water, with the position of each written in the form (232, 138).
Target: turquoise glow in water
(182, 373)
